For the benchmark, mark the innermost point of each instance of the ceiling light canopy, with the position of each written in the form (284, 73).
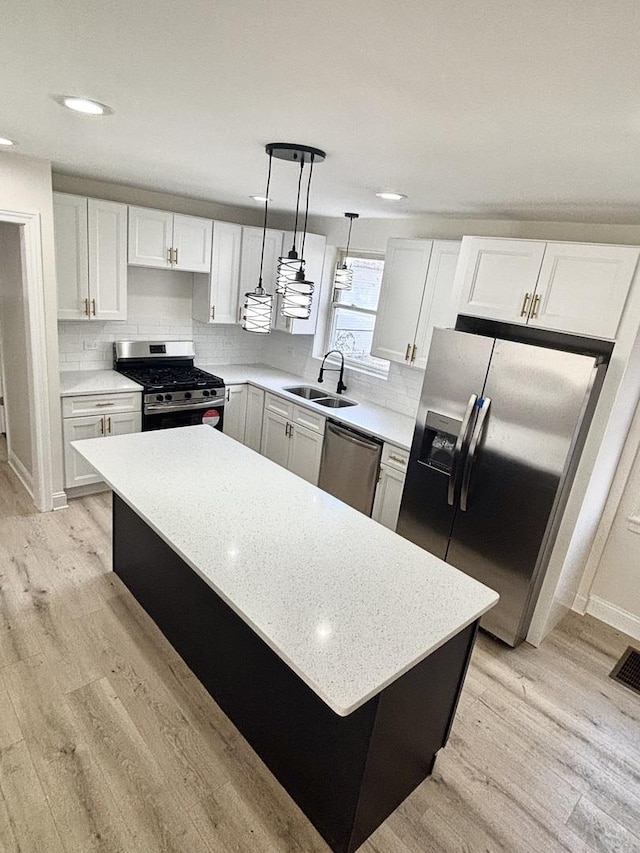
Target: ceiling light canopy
(86, 106)
(6, 143)
(390, 196)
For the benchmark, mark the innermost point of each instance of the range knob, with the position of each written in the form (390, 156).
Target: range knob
(205, 393)
(159, 397)
(187, 395)
(167, 397)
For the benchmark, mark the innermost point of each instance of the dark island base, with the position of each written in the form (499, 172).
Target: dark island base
(347, 774)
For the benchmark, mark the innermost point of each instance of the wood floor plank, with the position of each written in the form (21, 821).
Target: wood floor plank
(153, 814)
(31, 820)
(10, 731)
(600, 831)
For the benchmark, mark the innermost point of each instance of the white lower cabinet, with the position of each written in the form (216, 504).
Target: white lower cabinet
(292, 436)
(386, 505)
(235, 412)
(253, 420)
(124, 416)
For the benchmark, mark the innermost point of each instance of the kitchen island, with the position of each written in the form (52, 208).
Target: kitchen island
(337, 648)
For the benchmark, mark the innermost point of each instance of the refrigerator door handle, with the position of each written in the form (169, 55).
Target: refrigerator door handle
(460, 443)
(473, 447)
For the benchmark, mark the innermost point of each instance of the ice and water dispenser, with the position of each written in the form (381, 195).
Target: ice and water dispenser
(439, 442)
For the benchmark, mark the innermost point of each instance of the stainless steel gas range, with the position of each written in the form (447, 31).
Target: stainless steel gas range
(175, 392)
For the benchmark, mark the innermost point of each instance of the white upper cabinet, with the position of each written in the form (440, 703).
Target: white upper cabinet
(583, 288)
(250, 259)
(496, 276)
(314, 249)
(158, 238)
(192, 237)
(417, 285)
(579, 288)
(91, 252)
(107, 222)
(72, 255)
(216, 296)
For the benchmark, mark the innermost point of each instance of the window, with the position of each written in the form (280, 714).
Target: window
(353, 314)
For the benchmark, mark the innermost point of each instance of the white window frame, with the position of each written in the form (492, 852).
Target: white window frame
(381, 372)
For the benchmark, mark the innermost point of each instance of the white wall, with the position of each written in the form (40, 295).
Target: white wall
(15, 356)
(25, 187)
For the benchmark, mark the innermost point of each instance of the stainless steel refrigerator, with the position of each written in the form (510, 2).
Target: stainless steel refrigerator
(497, 440)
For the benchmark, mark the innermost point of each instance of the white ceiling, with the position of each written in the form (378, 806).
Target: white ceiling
(493, 108)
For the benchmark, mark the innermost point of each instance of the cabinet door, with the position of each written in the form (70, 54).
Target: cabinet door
(250, 259)
(439, 303)
(253, 422)
(315, 245)
(107, 229)
(583, 288)
(496, 277)
(386, 506)
(78, 472)
(150, 237)
(122, 423)
(235, 411)
(275, 438)
(72, 256)
(192, 237)
(403, 281)
(305, 453)
(215, 296)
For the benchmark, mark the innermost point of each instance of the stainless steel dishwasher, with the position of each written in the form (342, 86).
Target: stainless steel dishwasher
(350, 466)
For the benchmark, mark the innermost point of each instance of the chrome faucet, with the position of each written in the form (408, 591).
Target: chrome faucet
(341, 386)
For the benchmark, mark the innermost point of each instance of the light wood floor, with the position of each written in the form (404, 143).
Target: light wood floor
(108, 742)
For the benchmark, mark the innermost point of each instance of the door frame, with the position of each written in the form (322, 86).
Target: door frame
(33, 283)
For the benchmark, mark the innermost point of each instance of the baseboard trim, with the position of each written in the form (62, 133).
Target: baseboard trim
(59, 500)
(84, 491)
(615, 616)
(21, 473)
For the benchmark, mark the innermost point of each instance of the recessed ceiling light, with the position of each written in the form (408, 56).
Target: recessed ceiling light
(261, 198)
(7, 143)
(387, 196)
(84, 105)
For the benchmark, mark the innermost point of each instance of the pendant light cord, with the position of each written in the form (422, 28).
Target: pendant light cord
(346, 254)
(295, 224)
(306, 209)
(264, 224)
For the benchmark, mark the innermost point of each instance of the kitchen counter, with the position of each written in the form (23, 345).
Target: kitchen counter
(78, 383)
(376, 420)
(337, 648)
(345, 602)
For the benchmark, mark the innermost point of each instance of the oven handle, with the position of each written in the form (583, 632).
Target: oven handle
(215, 402)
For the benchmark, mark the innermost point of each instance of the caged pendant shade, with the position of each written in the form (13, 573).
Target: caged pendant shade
(297, 298)
(343, 279)
(257, 312)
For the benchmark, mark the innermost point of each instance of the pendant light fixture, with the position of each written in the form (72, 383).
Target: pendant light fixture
(257, 313)
(344, 276)
(296, 290)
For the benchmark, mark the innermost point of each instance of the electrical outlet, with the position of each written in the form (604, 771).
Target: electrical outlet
(90, 345)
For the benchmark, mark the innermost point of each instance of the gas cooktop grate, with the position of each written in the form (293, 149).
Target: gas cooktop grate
(627, 670)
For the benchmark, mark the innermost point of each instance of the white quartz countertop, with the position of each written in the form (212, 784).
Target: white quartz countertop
(346, 603)
(82, 382)
(376, 420)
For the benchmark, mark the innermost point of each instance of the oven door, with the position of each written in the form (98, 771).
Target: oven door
(166, 418)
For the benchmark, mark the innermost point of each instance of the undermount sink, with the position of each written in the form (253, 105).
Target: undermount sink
(334, 402)
(306, 391)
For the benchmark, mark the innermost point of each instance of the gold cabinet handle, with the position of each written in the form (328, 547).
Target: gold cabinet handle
(414, 350)
(101, 426)
(93, 307)
(86, 307)
(169, 256)
(213, 312)
(397, 459)
(408, 352)
(525, 305)
(103, 405)
(535, 306)
(109, 425)
(175, 256)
